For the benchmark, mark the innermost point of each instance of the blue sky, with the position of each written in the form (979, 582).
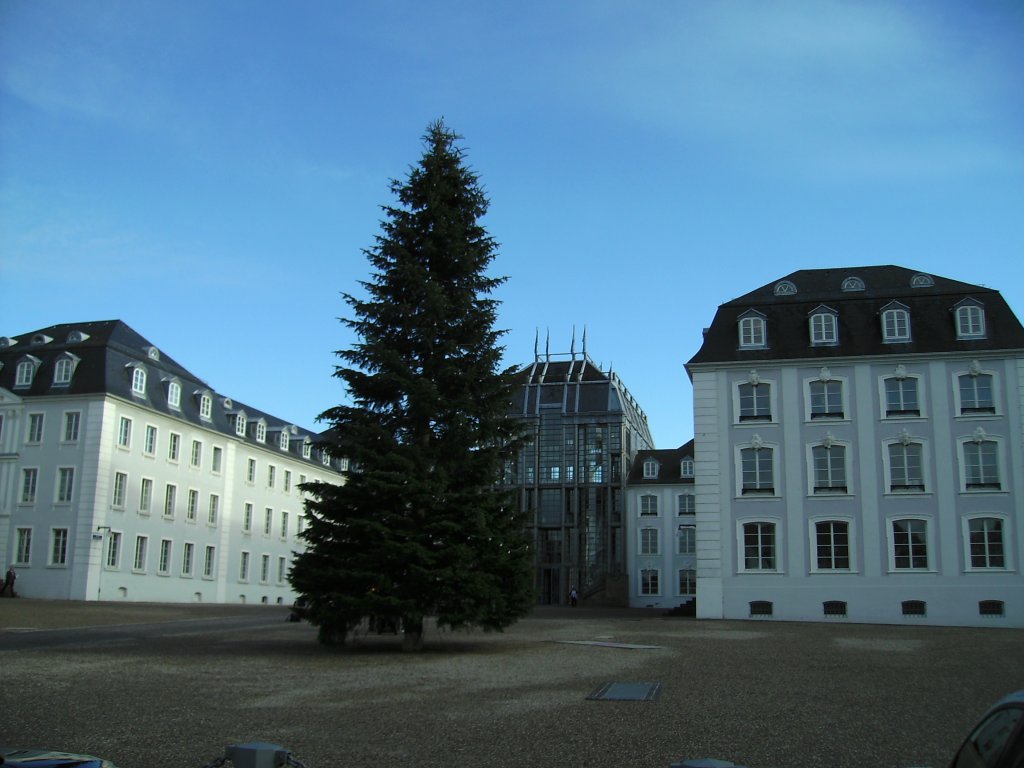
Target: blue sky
(209, 172)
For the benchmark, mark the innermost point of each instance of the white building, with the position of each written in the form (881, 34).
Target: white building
(124, 477)
(858, 452)
(661, 549)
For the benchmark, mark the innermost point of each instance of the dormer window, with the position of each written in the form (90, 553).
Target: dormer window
(970, 319)
(895, 322)
(852, 284)
(205, 406)
(41, 338)
(650, 469)
(922, 281)
(152, 353)
(64, 369)
(752, 330)
(261, 431)
(26, 371)
(686, 467)
(325, 458)
(282, 440)
(174, 394)
(240, 423)
(138, 380)
(824, 327)
(307, 449)
(77, 337)
(785, 288)
(6, 342)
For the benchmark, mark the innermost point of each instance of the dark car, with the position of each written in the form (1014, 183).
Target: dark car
(998, 740)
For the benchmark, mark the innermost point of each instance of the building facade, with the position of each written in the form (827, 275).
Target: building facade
(124, 477)
(569, 480)
(858, 452)
(661, 544)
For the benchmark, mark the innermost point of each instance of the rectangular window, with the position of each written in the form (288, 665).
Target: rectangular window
(758, 471)
(284, 525)
(910, 544)
(755, 402)
(648, 506)
(250, 474)
(829, 468)
(270, 476)
(193, 505)
(209, 561)
(113, 550)
(287, 481)
(214, 508)
(247, 518)
(139, 563)
(164, 566)
(265, 569)
(173, 447)
(243, 567)
(218, 457)
(687, 539)
(832, 545)
(170, 500)
(896, 325)
(150, 447)
(59, 546)
(72, 420)
(65, 484)
(124, 432)
(187, 558)
(268, 521)
(986, 542)
(981, 465)
(23, 547)
(648, 541)
(976, 394)
(649, 578)
(197, 453)
(120, 490)
(823, 328)
(752, 332)
(905, 467)
(759, 546)
(29, 482)
(970, 322)
(901, 397)
(687, 581)
(826, 399)
(687, 504)
(282, 569)
(35, 428)
(145, 495)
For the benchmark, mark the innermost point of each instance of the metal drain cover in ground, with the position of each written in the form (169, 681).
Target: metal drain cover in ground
(626, 692)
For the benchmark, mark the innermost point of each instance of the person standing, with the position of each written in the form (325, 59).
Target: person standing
(574, 596)
(12, 576)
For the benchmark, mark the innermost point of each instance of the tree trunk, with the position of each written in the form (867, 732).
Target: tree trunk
(412, 639)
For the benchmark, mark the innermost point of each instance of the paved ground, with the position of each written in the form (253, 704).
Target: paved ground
(151, 686)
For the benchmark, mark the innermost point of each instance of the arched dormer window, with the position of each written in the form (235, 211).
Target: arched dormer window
(650, 469)
(922, 281)
(824, 325)
(152, 353)
(138, 375)
(785, 288)
(6, 342)
(41, 338)
(64, 369)
(752, 331)
(26, 371)
(686, 467)
(282, 439)
(77, 337)
(970, 319)
(895, 322)
(852, 284)
(307, 449)
(261, 431)
(205, 405)
(325, 458)
(241, 421)
(173, 394)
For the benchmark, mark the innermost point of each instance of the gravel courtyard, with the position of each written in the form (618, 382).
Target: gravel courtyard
(759, 693)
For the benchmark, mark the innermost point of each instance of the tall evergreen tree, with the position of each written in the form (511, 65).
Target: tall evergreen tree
(421, 528)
